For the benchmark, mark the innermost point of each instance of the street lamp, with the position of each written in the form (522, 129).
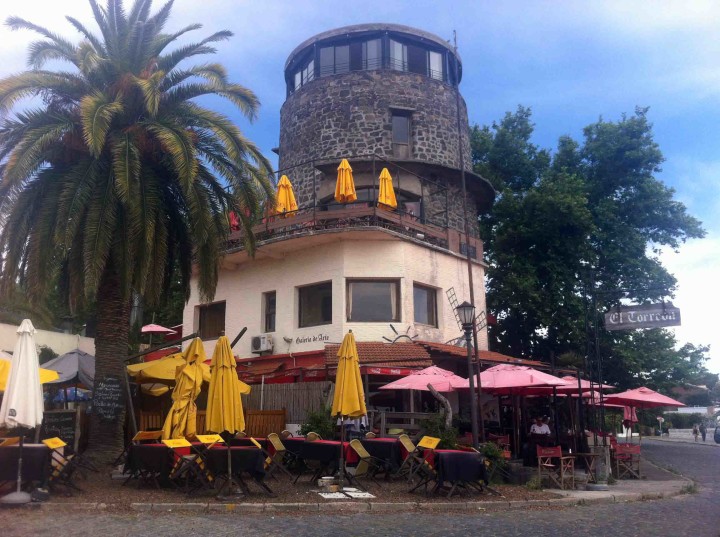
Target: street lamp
(466, 314)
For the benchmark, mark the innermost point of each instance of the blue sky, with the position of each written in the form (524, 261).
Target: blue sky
(571, 62)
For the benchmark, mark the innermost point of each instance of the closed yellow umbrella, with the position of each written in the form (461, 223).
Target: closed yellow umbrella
(345, 186)
(46, 375)
(163, 370)
(181, 421)
(387, 192)
(224, 408)
(349, 397)
(286, 204)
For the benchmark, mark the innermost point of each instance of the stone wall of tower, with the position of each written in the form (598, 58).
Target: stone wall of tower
(337, 116)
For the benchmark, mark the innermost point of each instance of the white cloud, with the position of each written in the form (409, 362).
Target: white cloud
(697, 268)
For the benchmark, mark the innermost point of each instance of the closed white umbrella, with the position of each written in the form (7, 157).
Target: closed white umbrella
(22, 404)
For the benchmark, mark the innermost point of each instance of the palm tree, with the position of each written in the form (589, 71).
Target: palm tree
(117, 175)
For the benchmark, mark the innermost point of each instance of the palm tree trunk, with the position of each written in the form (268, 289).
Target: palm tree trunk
(106, 438)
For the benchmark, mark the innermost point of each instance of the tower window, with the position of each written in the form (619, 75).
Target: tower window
(371, 54)
(435, 65)
(334, 60)
(398, 56)
(400, 128)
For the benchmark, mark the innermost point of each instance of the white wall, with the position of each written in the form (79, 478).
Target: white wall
(242, 290)
(57, 341)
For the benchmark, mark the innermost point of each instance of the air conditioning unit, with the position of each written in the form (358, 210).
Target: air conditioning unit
(262, 343)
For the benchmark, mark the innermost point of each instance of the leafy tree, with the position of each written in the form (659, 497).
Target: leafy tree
(584, 222)
(117, 176)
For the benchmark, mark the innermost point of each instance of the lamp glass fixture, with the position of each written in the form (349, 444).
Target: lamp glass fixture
(466, 312)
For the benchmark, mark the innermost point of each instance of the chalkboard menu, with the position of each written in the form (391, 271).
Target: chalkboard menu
(108, 398)
(61, 423)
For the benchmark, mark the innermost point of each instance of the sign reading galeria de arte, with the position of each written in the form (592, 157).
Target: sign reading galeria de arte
(647, 316)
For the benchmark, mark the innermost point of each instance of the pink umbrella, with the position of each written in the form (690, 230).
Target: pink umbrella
(156, 329)
(642, 398)
(508, 379)
(440, 379)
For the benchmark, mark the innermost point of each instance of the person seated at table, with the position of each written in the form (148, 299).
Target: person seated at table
(539, 436)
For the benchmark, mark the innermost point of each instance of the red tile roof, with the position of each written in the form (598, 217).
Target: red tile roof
(384, 354)
(485, 356)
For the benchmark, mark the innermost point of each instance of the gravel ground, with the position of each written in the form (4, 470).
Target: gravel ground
(100, 488)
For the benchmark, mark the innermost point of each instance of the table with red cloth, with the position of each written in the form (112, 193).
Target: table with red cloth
(293, 444)
(248, 442)
(389, 450)
(35, 467)
(243, 459)
(151, 459)
(457, 467)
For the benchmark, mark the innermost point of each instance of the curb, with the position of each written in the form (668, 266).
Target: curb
(364, 507)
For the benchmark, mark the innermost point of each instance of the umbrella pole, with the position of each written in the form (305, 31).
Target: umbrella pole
(342, 454)
(18, 497)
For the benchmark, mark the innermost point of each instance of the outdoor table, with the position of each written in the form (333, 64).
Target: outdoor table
(589, 460)
(247, 442)
(326, 453)
(388, 450)
(250, 460)
(149, 461)
(36, 463)
(458, 468)
(293, 444)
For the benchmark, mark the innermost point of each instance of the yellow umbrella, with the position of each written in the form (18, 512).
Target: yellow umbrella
(345, 187)
(181, 420)
(286, 204)
(46, 375)
(387, 192)
(349, 398)
(224, 407)
(163, 370)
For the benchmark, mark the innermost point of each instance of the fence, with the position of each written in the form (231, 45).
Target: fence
(298, 398)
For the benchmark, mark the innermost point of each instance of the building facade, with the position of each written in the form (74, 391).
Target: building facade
(380, 96)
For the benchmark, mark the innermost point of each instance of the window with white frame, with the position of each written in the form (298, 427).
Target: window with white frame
(373, 300)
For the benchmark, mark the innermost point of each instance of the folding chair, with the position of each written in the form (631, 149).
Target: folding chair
(408, 463)
(285, 434)
(559, 472)
(368, 466)
(423, 467)
(185, 469)
(370, 434)
(627, 461)
(196, 472)
(9, 441)
(277, 459)
(62, 467)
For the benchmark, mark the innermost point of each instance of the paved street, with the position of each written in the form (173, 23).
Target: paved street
(695, 515)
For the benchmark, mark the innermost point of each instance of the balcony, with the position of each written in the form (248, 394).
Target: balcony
(317, 220)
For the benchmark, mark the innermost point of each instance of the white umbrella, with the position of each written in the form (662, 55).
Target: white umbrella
(22, 404)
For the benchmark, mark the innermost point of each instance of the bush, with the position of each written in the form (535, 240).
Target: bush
(435, 426)
(321, 422)
(682, 421)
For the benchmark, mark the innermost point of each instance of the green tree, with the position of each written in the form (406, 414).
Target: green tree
(117, 175)
(587, 220)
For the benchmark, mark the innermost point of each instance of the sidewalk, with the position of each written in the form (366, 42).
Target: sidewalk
(657, 483)
(681, 440)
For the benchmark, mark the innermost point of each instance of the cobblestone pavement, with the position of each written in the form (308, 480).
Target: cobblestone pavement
(694, 515)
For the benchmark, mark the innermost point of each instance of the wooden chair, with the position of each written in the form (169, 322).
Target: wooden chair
(277, 459)
(368, 466)
(312, 436)
(552, 464)
(285, 434)
(627, 461)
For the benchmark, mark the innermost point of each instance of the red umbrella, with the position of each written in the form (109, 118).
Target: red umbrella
(642, 398)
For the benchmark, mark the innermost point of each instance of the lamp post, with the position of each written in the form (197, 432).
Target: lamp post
(466, 313)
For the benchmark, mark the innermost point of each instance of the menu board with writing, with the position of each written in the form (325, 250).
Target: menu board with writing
(108, 398)
(62, 424)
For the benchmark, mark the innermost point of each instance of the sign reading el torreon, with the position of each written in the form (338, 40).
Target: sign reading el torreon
(647, 316)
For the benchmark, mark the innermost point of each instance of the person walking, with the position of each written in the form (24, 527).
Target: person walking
(703, 431)
(695, 432)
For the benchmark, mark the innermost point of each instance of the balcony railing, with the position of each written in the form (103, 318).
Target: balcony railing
(357, 216)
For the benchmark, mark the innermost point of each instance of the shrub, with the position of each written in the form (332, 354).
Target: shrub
(319, 421)
(435, 426)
